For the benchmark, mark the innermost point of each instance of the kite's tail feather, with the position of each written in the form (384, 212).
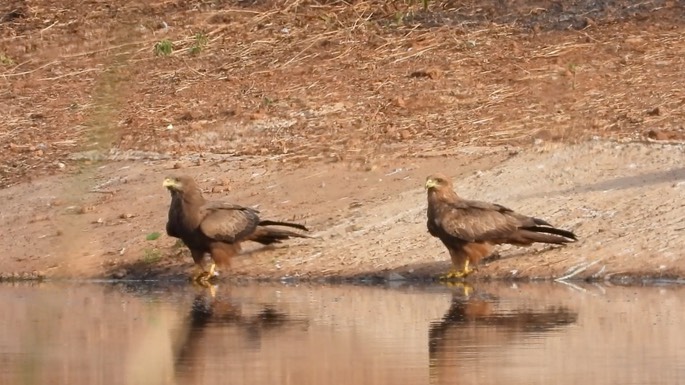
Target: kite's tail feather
(267, 236)
(547, 234)
(287, 224)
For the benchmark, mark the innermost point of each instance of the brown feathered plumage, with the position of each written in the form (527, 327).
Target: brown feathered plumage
(217, 228)
(470, 229)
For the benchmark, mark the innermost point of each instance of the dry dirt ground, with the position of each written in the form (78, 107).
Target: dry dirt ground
(332, 113)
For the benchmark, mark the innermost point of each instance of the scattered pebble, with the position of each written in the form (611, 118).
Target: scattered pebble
(395, 277)
(120, 274)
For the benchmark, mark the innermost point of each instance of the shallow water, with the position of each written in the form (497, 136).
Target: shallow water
(304, 334)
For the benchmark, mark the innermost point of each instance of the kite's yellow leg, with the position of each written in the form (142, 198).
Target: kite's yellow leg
(457, 274)
(212, 271)
(467, 269)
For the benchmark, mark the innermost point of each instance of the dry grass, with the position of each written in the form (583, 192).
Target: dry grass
(307, 80)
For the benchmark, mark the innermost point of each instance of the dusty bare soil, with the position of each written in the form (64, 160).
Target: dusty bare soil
(332, 114)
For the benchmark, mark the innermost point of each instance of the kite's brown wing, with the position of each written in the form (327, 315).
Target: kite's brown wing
(227, 222)
(475, 221)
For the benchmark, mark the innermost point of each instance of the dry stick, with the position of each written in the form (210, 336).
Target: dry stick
(31, 71)
(314, 41)
(193, 69)
(110, 192)
(263, 16)
(19, 65)
(28, 35)
(415, 54)
(106, 49)
(578, 270)
(72, 74)
(48, 27)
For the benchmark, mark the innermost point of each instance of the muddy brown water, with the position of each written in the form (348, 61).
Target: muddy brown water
(104, 333)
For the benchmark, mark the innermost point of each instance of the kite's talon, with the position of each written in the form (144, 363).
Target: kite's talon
(452, 275)
(203, 280)
(458, 274)
(198, 272)
(202, 276)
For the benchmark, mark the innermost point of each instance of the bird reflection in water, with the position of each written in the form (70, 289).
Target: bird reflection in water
(218, 328)
(475, 328)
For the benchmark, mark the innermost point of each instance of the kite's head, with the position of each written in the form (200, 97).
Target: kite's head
(177, 183)
(185, 187)
(437, 181)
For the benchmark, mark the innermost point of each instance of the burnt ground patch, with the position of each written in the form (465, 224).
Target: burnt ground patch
(547, 15)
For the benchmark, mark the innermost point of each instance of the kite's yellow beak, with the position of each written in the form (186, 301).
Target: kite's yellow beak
(169, 182)
(430, 183)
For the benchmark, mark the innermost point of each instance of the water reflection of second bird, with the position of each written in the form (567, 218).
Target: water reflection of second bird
(476, 325)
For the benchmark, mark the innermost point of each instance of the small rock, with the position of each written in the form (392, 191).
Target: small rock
(198, 125)
(664, 135)
(79, 209)
(654, 112)
(353, 228)
(395, 277)
(177, 165)
(84, 209)
(119, 274)
(257, 116)
(634, 40)
(399, 102)
(431, 73)
(39, 218)
(220, 189)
